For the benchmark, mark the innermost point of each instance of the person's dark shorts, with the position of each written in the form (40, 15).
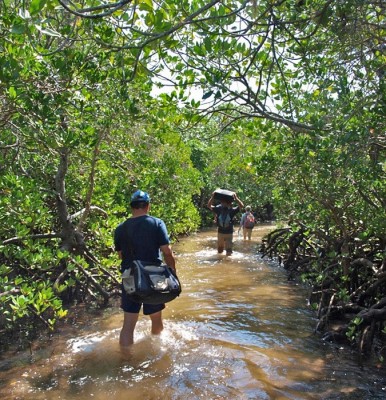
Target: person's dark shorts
(130, 306)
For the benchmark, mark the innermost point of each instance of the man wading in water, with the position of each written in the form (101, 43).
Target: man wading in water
(144, 238)
(224, 217)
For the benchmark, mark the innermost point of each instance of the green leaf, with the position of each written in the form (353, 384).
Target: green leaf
(23, 13)
(48, 31)
(12, 92)
(207, 95)
(18, 29)
(36, 6)
(208, 43)
(146, 5)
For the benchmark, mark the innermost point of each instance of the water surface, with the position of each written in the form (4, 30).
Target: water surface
(239, 330)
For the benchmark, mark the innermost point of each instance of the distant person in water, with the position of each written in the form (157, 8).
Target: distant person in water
(225, 214)
(144, 238)
(247, 222)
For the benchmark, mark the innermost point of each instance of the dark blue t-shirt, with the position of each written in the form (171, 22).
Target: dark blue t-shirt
(146, 234)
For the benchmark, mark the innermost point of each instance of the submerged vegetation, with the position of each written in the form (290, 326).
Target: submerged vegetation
(283, 102)
(348, 287)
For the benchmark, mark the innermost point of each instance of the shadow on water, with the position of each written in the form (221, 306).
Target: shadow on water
(239, 330)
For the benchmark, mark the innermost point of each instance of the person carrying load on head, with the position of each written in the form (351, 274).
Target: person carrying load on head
(225, 214)
(147, 238)
(247, 222)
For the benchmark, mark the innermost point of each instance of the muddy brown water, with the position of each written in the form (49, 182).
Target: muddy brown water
(239, 330)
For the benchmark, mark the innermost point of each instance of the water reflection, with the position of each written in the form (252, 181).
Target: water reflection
(239, 330)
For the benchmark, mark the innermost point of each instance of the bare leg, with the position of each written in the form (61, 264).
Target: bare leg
(220, 244)
(156, 323)
(228, 244)
(126, 337)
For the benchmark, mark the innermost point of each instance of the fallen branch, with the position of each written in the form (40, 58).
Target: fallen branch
(93, 281)
(84, 210)
(10, 292)
(33, 237)
(377, 312)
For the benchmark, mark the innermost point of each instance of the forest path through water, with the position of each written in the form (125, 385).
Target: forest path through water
(239, 330)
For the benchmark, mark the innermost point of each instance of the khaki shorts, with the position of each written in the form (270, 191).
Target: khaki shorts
(247, 233)
(224, 241)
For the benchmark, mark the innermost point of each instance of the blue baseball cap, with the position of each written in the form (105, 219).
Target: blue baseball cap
(139, 196)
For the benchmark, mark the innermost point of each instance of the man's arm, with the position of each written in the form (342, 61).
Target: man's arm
(242, 220)
(210, 202)
(168, 256)
(239, 202)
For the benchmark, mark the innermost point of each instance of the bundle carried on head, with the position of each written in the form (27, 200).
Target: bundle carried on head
(224, 195)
